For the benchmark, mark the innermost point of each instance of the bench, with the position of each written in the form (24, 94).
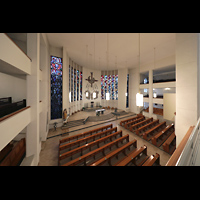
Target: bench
(5, 151)
(170, 144)
(114, 153)
(123, 122)
(147, 135)
(83, 159)
(5, 100)
(137, 157)
(9, 108)
(147, 126)
(16, 155)
(127, 125)
(136, 126)
(158, 139)
(86, 139)
(76, 137)
(153, 160)
(89, 146)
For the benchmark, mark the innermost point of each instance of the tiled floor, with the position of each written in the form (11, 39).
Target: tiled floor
(49, 152)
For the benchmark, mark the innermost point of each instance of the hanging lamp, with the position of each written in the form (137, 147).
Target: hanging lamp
(139, 97)
(107, 93)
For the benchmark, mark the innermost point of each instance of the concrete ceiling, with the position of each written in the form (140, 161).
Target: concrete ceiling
(123, 48)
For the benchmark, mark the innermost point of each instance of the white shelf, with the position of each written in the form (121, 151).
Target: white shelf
(164, 84)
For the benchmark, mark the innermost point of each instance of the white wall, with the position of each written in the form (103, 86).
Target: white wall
(12, 86)
(169, 103)
(186, 82)
(122, 86)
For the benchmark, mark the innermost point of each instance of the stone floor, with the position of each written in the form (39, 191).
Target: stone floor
(49, 151)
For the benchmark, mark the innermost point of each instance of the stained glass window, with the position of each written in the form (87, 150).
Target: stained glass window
(109, 83)
(102, 86)
(56, 87)
(77, 84)
(113, 87)
(80, 85)
(127, 92)
(74, 84)
(116, 86)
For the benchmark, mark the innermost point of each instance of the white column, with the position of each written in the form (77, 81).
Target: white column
(187, 55)
(150, 92)
(32, 136)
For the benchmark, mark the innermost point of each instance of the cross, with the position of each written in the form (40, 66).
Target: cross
(91, 79)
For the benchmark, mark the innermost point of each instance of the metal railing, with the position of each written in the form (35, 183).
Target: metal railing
(190, 155)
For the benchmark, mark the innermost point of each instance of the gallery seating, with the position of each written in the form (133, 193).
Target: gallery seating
(16, 155)
(106, 148)
(7, 107)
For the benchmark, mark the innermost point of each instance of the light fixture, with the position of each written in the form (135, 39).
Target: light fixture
(70, 97)
(107, 93)
(139, 99)
(167, 89)
(154, 95)
(107, 96)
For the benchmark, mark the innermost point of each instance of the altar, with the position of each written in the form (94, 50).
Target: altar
(98, 111)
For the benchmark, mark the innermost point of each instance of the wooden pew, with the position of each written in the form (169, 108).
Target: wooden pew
(5, 151)
(83, 159)
(135, 156)
(9, 108)
(147, 135)
(86, 139)
(127, 125)
(142, 123)
(89, 146)
(114, 153)
(16, 155)
(123, 122)
(146, 127)
(158, 139)
(170, 144)
(76, 137)
(153, 160)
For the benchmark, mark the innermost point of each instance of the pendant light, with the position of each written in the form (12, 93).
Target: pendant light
(139, 97)
(107, 93)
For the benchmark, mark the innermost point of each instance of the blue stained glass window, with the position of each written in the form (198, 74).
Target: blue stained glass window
(56, 87)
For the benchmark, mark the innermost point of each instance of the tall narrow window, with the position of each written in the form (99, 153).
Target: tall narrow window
(80, 85)
(116, 86)
(77, 85)
(56, 87)
(102, 86)
(127, 92)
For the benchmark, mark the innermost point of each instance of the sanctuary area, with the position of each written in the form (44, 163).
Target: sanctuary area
(99, 99)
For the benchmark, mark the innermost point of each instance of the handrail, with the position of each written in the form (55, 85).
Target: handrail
(189, 153)
(14, 113)
(175, 156)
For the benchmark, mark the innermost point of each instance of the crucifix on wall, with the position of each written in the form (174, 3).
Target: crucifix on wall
(91, 79)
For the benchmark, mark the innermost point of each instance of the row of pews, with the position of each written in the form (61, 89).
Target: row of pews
(104, 146)
(153, 131)
(12, 155)
(7, 106)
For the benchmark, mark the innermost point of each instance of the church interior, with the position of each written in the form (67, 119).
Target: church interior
(99, 99)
